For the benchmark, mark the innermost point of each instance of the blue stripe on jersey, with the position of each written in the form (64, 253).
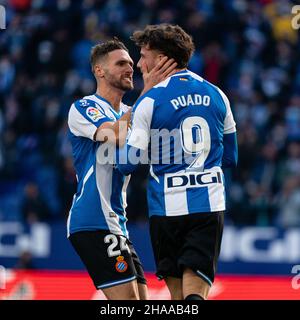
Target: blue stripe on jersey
(116, 199)
(156, 203)
(91, 220)
(116, 196)
(197, 200)
(215, 156)
(84, 151)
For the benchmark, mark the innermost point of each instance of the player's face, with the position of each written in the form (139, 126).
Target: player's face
(149, 58)
(118, 70)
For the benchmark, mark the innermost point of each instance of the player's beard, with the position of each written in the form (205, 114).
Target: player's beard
(119, 83)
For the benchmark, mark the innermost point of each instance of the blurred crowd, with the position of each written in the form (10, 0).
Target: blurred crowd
(247, 48)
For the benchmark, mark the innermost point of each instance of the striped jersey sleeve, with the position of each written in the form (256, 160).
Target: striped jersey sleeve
(140, 131)
(85, 116)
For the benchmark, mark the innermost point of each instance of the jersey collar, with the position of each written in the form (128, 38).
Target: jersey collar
(181, 73)
(110, 106)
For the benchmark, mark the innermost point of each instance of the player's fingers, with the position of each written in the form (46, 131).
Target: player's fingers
(170, 70)
(160, 64)
(167, 65)
(164, 65)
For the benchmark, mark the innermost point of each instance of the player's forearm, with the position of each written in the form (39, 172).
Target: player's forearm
(127, 159)
(121, 128)
(114, 132)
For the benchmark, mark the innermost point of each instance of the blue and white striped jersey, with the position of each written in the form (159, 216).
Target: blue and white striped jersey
(187, 126)
(100, 200)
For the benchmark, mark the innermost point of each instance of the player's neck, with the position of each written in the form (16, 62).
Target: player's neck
(114, 97)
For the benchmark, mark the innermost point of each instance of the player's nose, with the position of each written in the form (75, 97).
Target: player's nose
(129, 68)
(139, 64)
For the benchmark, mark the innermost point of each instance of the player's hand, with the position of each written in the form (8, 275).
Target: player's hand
(164, 69)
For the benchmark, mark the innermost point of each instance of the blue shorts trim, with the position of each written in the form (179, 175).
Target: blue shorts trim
(204, 277)
(115, 283)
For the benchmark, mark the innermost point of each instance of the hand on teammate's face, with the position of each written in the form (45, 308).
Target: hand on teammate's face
(162, 70)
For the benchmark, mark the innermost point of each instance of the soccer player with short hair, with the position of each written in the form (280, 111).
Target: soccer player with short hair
(97, 219)
(186, 126)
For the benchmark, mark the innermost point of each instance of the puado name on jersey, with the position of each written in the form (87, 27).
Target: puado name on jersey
(191, 100)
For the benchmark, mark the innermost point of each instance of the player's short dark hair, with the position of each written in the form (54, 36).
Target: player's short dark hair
(102, 49)
(169, 39)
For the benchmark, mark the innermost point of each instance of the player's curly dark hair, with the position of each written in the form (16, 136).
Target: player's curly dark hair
(102, 49)
(170, 40)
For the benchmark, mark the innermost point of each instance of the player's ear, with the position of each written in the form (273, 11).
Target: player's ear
(98, 71)
(160, 56)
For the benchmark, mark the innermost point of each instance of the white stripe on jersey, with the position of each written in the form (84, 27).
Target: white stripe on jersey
(69, 217)
(155, 177)
(124, 188)
(176, 203)
(216, 193)
(190, 73)
(163, 84)
(216, 197)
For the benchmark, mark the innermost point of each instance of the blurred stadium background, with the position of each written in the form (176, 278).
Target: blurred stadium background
(248, 48)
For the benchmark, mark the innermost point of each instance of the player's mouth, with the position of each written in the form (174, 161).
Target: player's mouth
(127, 78)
